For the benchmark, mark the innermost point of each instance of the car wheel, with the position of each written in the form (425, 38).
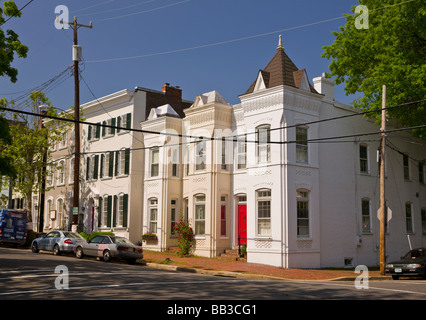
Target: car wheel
(56, 250)
(79, 253)
(107, 256)
(395, 277)
(34, 247)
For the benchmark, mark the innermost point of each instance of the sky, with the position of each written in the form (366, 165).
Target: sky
(199, 45)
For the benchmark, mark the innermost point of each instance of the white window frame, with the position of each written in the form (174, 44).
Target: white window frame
(200, 155)
(302, 148)
(302, 198)
(152, 220)
(366, 215)
(263, 212)
(152, 164)
(263, 147)
(364, 161)
(200, 214)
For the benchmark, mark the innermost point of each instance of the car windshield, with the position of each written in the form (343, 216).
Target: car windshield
(413, 254)
(73, 235)
(120, 240)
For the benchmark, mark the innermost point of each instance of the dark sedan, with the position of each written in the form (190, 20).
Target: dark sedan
(413, 264)
(109, 247)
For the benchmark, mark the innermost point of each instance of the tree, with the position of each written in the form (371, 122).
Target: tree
(9, 43)
(6, 163)
(391, 52)
(31, 145)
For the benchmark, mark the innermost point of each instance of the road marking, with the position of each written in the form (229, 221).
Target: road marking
(115, 286)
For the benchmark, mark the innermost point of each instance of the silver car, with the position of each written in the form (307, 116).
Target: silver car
(109, 247)
(57, 241)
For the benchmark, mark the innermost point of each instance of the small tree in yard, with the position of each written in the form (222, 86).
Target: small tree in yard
(185, 237)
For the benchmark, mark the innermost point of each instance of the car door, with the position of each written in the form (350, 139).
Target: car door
(91, 249)
(53, 238)
(43, 244)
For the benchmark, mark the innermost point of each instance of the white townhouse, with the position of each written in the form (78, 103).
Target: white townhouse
(296, 199)
(112, 158)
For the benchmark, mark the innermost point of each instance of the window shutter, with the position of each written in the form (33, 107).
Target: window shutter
(111, 164)
(96, 167)
(100, 212)
(103, 129)
(87, 168)
(98, 130)
(118, 123)
(114, 212)
(113, 125)
(126, 161)
(128, 120)
(109, 211)
(89, 133)
(116, 163)
(101, 171)
(125, 210)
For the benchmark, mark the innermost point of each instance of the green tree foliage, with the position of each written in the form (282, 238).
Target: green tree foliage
(32, 143)
(9, 42)
(391, 52)
(6, 163)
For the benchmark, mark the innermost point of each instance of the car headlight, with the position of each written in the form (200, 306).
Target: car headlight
(389, 266)
(413, 265)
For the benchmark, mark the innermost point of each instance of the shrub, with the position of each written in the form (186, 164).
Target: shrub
(185, 237)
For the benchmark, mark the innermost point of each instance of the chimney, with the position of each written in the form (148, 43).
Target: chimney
(173, 97)
(325, 86)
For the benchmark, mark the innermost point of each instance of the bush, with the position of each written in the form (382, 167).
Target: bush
(185, 237)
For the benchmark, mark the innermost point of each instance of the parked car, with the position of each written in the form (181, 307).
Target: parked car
(57, 241)
(109, 247)
(411, 264)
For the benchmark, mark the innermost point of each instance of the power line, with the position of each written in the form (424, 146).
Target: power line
(19, 10)
(225, 41)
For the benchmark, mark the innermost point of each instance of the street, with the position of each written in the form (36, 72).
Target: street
(27, 276)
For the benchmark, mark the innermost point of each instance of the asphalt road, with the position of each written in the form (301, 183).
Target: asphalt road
(43, 276)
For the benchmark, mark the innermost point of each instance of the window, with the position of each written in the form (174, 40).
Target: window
(301, 144)
(187, 161)
(406, 164)
(121, 210)
(423, 214)
(302, 213)
(122, 162)
(155, 162)
(242, 152)
(105, 207)
(173, 216)
(408, 218)
(107, 164)
(110, 130)
(263, 137)
(92, 167)
(63, 142)
(60, 212)
(421, 173)
(124, 121)
(175, 163)
(200, 215)
(60, 179)
(152, 209)
(71, 171)
(263, 199)
(200, 155)
(363, 159)
(365, 213)
(223, 216)
(223, 155)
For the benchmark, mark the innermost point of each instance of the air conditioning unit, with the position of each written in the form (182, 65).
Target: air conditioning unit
(76, 53)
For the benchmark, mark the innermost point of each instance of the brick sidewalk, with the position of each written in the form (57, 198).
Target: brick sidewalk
(210, 265)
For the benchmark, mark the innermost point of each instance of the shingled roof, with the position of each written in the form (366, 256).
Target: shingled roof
(281, 71)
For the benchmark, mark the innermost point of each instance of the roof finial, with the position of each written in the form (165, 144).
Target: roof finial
(280, 43)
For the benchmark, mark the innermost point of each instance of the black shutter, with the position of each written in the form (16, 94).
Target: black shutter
(96, 167)
(128, 121)
(114, 212)
(118, 124)
(109, 211)
(125, 209)
(116, 163)
(126, 161)
(101, 171)
(100, 212)
(98, 130)
(87, 168)
(113, 125)
(111, 164)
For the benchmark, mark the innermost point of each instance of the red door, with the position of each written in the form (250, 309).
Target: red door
(242, 223)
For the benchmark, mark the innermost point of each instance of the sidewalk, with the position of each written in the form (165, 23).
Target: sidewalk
(228, 267)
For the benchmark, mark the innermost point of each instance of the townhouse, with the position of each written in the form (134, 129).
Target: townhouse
(275, 173)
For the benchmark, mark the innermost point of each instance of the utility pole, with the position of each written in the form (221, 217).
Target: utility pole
(382, 186)
(76, 57)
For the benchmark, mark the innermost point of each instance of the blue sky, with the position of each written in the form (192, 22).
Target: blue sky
(177, 41)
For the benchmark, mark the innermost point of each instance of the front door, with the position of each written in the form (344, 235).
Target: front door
(242, 223)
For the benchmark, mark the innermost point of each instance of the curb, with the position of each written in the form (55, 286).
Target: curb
(240, 275)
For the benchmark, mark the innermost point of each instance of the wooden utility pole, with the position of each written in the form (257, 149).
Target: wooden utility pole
(382, 186)
(76, 57)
